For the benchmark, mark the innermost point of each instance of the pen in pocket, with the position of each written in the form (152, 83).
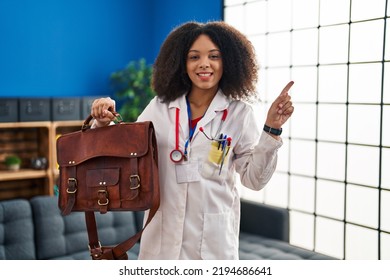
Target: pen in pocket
(225, 151)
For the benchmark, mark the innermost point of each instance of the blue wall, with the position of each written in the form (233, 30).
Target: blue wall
(168, 14)
(70, 47)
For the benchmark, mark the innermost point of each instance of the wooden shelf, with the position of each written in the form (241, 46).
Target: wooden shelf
(47, 124)
(22, 174)
(28, 140)
(59, 124)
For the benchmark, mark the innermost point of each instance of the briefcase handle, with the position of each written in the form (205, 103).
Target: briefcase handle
(86, 125)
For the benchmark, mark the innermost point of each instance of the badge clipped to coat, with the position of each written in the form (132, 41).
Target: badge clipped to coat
(187, 172)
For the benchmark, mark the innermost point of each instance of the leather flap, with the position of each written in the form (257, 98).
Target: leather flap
(102, 177)
(129, 140)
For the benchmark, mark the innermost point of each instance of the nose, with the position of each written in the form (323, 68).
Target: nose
(204, 63)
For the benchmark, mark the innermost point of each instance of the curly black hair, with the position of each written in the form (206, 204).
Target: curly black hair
(240, 69)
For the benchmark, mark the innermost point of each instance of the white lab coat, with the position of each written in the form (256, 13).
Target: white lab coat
(200, 220)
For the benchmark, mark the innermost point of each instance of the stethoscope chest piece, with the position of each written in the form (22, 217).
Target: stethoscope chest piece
(176, 156)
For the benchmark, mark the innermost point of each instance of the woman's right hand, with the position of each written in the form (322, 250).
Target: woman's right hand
(101, 111)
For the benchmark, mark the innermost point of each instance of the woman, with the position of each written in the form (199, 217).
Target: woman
(206, 133)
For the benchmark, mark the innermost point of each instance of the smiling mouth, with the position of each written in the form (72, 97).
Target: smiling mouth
(204, 74)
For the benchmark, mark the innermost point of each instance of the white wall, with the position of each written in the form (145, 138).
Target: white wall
(333, 171)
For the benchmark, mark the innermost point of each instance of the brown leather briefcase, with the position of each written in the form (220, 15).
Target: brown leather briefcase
(113, 168)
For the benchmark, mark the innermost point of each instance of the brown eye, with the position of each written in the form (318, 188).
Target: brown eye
(192, 57)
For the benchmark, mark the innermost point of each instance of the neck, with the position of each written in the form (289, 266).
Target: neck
(199, 102)
(201, 98)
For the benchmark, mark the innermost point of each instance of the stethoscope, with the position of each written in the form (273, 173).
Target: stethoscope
(177, 155)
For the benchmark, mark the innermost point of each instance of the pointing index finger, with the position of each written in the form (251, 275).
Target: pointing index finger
(287, 88)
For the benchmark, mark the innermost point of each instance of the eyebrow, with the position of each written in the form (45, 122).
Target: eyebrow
(213, 50)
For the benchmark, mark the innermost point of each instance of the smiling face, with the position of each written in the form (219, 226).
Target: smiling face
(204, 64)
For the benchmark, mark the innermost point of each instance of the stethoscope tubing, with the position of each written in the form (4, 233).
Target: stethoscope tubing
(176, 154)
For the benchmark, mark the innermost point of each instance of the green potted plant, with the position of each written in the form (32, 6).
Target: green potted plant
(133, 88)
(13, 162)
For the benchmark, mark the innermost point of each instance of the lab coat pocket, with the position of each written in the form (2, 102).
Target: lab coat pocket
(151, 237)
(215, 166)
(219, 241)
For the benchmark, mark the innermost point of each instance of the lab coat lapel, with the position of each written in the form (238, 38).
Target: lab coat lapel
(219, 103)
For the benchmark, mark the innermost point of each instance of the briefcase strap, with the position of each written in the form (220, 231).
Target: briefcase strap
(120, 250)
(71, 190)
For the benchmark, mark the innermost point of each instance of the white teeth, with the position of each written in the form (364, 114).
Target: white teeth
(204, 74)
